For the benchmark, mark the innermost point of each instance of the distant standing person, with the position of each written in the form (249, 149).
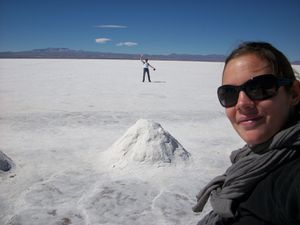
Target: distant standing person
(146, 68)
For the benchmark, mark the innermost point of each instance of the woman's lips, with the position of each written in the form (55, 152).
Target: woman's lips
(250, 122)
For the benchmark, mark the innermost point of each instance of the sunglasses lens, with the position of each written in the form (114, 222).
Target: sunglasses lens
(228, 95)
(262, 87)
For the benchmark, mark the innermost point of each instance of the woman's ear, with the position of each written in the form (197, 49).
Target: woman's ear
(295, 93)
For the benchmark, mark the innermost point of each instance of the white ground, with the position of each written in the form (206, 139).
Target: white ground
(59, 120)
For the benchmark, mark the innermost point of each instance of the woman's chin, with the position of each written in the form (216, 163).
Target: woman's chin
(253, 138)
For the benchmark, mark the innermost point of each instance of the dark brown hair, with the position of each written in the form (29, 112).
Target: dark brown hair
(278, 62)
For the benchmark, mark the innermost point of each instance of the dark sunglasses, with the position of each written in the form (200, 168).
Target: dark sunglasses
(258, 88)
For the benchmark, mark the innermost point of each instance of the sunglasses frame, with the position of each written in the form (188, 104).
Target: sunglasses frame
(277, 82)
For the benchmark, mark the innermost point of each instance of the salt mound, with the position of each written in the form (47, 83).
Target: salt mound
(5, 162)
(147, 142)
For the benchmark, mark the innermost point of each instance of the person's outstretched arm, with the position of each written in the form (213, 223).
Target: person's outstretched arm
(141, 58)
(152, 67)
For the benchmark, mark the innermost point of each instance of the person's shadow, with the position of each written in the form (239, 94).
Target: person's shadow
(159, 81)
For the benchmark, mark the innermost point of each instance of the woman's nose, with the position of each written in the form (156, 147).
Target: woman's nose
(244, 101)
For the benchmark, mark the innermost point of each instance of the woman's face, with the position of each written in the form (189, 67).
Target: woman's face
(255, 121)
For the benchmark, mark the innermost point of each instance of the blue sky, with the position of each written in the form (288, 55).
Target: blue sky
(149, 26)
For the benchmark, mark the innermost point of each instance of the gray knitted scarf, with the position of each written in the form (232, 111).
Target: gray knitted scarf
(249, 166)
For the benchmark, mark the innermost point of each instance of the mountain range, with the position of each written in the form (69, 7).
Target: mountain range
(66, 53)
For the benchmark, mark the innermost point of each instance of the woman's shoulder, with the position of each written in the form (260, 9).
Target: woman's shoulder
(277, 197)
(286, 179)
(283, 181)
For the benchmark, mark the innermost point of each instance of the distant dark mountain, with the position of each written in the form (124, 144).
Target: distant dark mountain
(297, 62)
(65, 53)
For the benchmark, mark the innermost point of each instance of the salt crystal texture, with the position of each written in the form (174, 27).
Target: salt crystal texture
(147, 142)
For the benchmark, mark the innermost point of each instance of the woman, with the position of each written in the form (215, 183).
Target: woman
(261, 96)
(146, 68)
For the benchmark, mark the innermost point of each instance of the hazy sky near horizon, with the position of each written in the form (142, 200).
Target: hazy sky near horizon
(149, 27)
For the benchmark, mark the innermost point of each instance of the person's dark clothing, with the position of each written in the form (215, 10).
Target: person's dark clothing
(262, 187)
(275, 200)
(146, 71)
